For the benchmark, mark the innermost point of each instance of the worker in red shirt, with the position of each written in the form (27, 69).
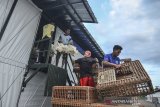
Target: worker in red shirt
(86, 65)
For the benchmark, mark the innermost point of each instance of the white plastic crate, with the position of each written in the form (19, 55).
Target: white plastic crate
(107, 75)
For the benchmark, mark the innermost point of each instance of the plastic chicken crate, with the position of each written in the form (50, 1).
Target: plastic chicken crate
(124, 71)
(74, 94)
(137, 83)
(105, 76)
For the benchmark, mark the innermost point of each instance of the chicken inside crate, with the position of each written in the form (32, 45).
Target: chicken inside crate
(130, 80)
(83, 94)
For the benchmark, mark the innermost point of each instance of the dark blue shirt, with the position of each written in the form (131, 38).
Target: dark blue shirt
(110, 58)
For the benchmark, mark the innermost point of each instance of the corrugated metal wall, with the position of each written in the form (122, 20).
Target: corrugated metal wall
(5, 6)
(15, 48)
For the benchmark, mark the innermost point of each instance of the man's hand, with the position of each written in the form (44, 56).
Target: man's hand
(117, 66)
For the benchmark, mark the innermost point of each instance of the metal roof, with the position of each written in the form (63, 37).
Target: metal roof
(79, 8)
(83, 36)
(75, 12)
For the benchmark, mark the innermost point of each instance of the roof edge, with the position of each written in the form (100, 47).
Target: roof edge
(89, 9)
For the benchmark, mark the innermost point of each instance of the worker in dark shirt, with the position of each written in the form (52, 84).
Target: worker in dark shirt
(86, 74)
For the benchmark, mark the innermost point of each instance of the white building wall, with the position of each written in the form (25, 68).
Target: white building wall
(15, 48)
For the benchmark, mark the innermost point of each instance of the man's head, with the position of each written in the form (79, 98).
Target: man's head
(67, 31)
(117, 50)
(87, 53)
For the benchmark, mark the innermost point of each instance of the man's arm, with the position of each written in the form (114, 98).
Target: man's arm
(106, 63)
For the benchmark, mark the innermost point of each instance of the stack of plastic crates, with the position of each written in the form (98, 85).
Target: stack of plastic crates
(130, 81)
